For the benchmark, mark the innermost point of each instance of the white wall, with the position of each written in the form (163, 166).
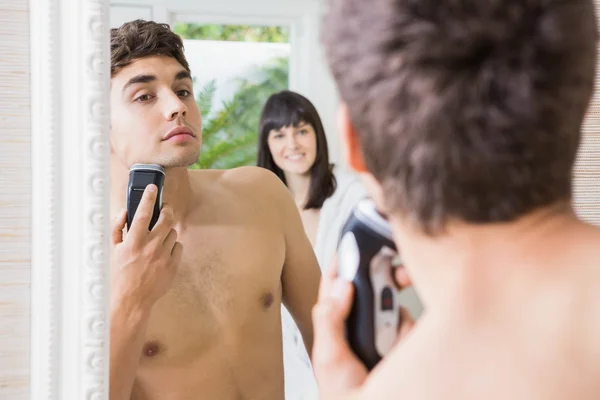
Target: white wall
(226, 62)
(15, 181)
(309, 74)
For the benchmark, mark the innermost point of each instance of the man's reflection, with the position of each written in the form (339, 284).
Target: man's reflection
(195, 303)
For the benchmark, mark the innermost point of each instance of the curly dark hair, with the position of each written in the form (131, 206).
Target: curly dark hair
(465, 109)
(138, 39)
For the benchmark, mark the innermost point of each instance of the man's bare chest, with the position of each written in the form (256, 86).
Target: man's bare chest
(228, 252)
(227, 286)
(223, 270)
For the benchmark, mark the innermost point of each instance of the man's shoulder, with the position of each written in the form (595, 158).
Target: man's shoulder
(250, 174)
(255, 179)
(242, 180)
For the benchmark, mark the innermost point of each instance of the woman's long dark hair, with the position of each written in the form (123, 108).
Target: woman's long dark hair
(288, 108)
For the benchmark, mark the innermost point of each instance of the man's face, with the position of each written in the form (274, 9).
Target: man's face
(154, 117)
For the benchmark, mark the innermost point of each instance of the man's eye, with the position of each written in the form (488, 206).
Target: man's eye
(184, 93)
(143, 98)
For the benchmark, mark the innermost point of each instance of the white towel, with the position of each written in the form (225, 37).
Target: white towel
(300, 383)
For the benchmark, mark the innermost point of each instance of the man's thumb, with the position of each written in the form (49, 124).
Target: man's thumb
(328, 318)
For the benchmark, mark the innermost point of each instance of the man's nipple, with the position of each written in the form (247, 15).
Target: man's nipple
(151, 349)
(266, 300)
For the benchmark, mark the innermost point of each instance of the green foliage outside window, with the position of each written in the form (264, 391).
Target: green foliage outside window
(235, 33)
(229, 136)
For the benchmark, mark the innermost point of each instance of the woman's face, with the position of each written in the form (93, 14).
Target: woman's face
(294, 149)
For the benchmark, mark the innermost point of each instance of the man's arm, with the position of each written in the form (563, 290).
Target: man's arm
(128, 324)
(142, 268)
(301, 273)
(300, 278)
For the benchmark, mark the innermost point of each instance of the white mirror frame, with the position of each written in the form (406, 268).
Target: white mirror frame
(70, 81)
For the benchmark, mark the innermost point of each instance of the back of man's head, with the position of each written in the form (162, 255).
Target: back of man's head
(465, 109)
(138, 39)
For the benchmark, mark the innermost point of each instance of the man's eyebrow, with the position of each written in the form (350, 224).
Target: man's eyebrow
(183, 75)
(139, 79)
(149, 78)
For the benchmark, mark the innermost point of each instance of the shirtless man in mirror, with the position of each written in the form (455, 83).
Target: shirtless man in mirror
(195, 303)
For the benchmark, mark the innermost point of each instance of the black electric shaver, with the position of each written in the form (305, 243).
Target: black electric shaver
(140, 176)
(366, 257)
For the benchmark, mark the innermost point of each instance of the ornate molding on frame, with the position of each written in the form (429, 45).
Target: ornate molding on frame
(45, 128)
(70, 97)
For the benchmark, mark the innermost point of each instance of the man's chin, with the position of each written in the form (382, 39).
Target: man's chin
(180, 162)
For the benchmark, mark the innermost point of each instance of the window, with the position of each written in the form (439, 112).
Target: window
(235, 69)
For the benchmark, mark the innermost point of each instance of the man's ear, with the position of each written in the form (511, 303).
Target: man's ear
(355, 159)
(351, 145)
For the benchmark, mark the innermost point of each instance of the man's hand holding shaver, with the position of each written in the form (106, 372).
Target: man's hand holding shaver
(144, 262)
(339, 373)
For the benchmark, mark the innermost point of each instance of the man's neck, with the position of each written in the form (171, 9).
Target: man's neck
(299, 186)
(471, 264)
(177, 190)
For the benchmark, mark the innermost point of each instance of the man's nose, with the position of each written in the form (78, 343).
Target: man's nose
(175, 108)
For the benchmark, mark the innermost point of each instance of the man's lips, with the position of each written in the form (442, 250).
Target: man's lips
(180, 130)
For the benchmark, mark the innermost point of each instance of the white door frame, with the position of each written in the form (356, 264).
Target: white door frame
(299, 16)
